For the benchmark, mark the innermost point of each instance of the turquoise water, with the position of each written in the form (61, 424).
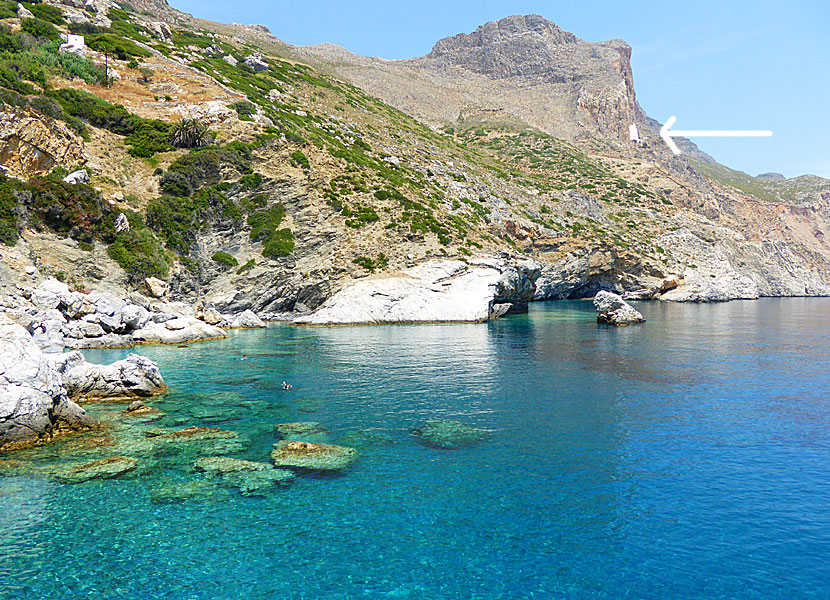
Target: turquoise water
(685, 458)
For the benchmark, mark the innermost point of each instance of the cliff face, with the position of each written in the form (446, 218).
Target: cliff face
(525, 66)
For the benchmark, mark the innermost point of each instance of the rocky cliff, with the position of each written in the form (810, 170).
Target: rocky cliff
(315, 172)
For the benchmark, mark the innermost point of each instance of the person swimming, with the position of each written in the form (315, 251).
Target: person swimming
(287, 386)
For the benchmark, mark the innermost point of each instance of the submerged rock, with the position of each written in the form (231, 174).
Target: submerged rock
(318, 457)
(366, 438)
(249, 477)
(449, 435)
(189, 433)
(306, 431)
(197, 490)
(106, 468)
(612, 309)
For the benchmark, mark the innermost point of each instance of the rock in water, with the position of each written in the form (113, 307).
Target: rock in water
(135, 376)
(449, 435)
(250, 477)
(435, 291)
(307, 431)
(316, 457)
(612, 309)
(32, 398)
(106, 468)
(246, 320)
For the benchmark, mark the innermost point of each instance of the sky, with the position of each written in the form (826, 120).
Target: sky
(733, 64)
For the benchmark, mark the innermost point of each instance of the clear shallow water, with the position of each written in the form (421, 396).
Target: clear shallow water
(685, 458)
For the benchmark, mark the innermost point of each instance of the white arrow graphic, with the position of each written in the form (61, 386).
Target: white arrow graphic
(667, 135)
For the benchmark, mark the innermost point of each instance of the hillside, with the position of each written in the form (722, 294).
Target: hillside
(254, 174)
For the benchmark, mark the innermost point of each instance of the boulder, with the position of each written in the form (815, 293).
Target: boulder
(155, 287)
(177, 330)
(435, 291)
(315, 457)
(230, 60)
(135, 376)
(161, 30)
(121, 223)
(24, 13)
(106, 468)
(33, 401)
(257, 63)
(449, 435)
(244, 320)
(76, 177)
(612, 309)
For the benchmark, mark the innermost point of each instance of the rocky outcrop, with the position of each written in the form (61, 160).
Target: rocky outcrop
(33, 402)
(612, 309)
(106, 468)
(436, 291)
(244, 320)
(135, 376)
(315, 457)
(31, 144)
(59, 318)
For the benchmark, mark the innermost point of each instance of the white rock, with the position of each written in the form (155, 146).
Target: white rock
(32, 399)
(155, 287)
(256, 62)
(121, 223)
(76, 177)
(194, 330)
(432, 292)
(24, 13)
(611, 308)
(244, 320)
(230, 60)
(134, 376)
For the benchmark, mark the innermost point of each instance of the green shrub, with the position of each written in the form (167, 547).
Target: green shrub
(278, 243)
(300, 159)
(40, 29)
(225, 259)
(145, 136)
(140, 254)
(48, 13)
(175, 184)
(370, 264)
(245, 110)
(246, 267)
(359, 216)
(115, 45)
(204, 167)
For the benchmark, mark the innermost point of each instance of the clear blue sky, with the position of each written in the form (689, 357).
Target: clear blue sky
(729, 64)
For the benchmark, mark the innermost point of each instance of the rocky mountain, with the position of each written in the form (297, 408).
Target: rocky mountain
(520, 67)
(246, 173)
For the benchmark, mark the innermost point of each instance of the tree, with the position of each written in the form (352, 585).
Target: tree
(190, 133)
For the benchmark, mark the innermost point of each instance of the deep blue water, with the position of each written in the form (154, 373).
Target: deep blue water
(685, 458)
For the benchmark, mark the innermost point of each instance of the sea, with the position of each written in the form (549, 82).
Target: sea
(686, 457)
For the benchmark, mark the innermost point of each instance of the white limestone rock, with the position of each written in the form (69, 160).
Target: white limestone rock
(177, 331)
(135, 376)
(244, 320)
(32, 398)
(436, 291)
(612, 309)
(79, 176)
